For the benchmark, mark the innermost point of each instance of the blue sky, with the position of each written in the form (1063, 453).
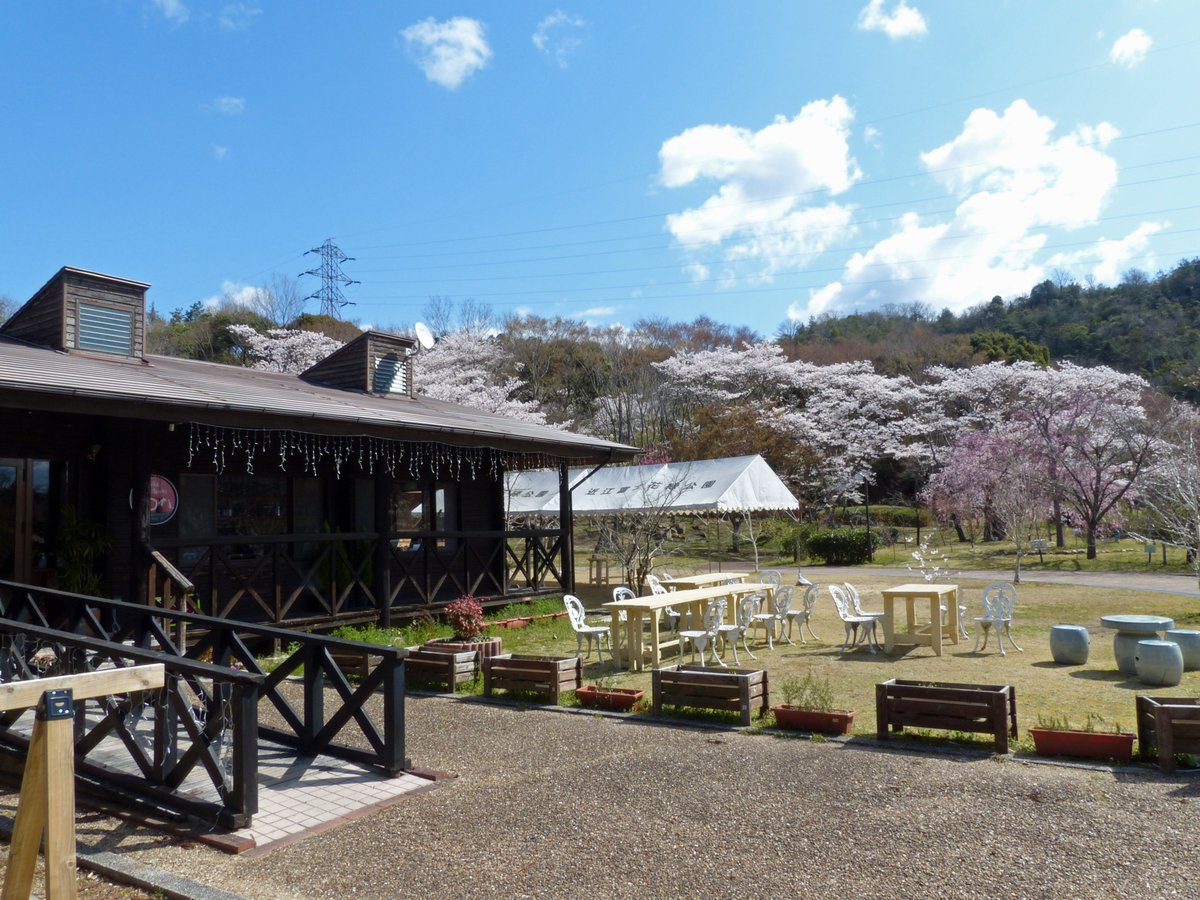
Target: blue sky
(753, 162)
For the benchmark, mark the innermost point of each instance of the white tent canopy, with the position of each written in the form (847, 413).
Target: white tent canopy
(737, 484)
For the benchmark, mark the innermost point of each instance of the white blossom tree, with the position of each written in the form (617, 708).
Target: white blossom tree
(283, 349)
(469, 368)
(1169, 489)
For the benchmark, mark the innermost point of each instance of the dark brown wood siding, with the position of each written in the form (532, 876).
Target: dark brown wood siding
(40, 321)
(81, 288)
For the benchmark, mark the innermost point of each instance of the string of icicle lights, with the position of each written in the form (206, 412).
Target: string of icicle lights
(225, 445)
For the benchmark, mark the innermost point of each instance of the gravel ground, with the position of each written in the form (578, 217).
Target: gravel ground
(564, 805)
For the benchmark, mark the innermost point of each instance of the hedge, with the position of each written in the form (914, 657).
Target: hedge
(839, 546)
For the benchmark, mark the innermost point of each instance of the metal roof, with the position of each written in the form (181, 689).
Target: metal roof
(165, 388)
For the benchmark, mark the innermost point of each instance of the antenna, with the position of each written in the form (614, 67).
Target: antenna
(332, 278)
(424, 336)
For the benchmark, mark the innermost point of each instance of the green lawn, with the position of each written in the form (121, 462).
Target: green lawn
(1043, 688)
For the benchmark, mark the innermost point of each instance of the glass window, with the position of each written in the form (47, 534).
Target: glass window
(364, 504)
(308, 513)
(197, 502)
(445, 511)
(406, 512)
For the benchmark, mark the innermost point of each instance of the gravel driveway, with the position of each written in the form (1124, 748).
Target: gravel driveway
(551, 804)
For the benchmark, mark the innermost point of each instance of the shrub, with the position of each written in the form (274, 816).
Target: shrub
(809, 692)
(839, 546)
(465, 616)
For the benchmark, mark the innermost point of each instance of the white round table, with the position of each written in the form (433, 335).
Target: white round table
(1131, 629)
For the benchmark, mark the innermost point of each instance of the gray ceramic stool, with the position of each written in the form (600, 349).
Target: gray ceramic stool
(1069, 644)
(1189, 642)
(1159, 663)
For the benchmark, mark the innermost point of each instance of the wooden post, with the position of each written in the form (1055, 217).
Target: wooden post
(566, 523)
(383, 532)
(47, 802)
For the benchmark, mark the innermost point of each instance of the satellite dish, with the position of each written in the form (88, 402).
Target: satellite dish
(424, 335)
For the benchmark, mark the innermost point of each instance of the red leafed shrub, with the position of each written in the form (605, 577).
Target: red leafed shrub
(465, 616)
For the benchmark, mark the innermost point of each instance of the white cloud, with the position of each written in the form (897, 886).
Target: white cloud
(873, 137)
(594, 311)
(233, 293)
(220, 152)
(174, 11)
(1014, 181)
(237, 16)
(557, 36)
(229, 106)
(762, 206)
(1130, 49)
(448, 52)
(1108, 258)
(903, 21)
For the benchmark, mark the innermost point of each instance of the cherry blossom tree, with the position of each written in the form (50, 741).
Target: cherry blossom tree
(1169, 489)
(283, 349)
(469, 368)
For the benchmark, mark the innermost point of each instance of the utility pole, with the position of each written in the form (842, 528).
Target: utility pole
(332, 279)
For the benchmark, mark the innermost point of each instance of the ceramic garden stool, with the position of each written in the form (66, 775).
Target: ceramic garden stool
(1069, 644)
(1130, 630)
(1159, 663)
(1189, 642)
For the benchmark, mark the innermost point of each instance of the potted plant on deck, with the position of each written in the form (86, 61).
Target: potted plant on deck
(604, 694)
(465, 617)
(808, 706)
(1056, 737)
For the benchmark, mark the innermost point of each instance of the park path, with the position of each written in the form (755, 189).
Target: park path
(1160, 583)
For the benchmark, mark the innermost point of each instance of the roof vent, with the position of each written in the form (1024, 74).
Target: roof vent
(391, 374)
(105, 330)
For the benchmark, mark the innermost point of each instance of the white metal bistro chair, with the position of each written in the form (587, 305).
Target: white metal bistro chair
(781, 604)
(856, 604)
(600, 634)
(803, 615)
(771, 577)
(705, 637)
(670, 614)
(852, 622)
(729, 634)
(999, 601)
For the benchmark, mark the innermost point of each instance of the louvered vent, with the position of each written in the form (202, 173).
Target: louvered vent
(391, 374)
(105, 330)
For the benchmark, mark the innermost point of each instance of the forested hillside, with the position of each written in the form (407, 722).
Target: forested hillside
(1145, 325)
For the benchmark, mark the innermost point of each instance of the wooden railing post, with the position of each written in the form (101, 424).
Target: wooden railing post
(393, 716)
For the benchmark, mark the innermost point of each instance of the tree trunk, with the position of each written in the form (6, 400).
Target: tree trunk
(736, 522)
(957, 523)
(1017, 570)
(1060, 539)
(1091, 541)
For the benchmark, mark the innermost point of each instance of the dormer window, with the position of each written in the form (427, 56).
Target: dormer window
(105, 330)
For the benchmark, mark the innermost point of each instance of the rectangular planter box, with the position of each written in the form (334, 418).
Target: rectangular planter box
(832, 721)
(427, 667)
(986, 708)
(1084, 744)
(739, 690)
(549, 675)
(1166, 726)
(620, 699)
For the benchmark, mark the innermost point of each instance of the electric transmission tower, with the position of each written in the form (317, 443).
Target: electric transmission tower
(332, 279)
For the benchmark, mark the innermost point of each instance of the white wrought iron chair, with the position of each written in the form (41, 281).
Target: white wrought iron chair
(852, 622)
(622, 593)
(705, 637)
(999, 601)
(856, 604)
(803, 615)
(600, 634)
(781, 604)
(670, 614)
(747, 608)
(771, 577)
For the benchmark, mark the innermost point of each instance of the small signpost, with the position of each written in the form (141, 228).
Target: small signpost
(47, 802)
(1040, 546)
(1149, 550)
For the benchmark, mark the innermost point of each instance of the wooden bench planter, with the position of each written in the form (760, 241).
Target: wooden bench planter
(431, 668)
(550, 675)
(1168, 725)
(356, 663)
(739, 690)
(986, 708)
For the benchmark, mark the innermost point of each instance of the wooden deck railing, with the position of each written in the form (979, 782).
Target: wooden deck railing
(300, 579)
(224, 648)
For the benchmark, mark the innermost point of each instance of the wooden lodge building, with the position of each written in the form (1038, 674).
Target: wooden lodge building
(303, 500)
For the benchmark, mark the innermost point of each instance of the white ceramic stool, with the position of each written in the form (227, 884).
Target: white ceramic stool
(1188, 640)
(1069, 644)
(1159, 663)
